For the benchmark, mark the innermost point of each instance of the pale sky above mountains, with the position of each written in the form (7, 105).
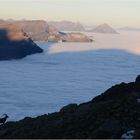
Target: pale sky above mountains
(115, 12)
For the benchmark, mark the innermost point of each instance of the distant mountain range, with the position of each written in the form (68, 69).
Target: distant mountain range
(67, 25)
(76, 26)
(40, 30)
(104, 28)
(129, 29)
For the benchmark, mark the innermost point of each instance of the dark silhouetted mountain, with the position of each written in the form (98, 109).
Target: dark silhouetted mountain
(104, 28)
(14, 43)
(114, 114)
(67, 25)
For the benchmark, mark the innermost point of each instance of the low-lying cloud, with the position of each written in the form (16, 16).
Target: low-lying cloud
(128, 40)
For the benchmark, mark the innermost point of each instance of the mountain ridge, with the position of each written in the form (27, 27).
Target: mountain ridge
(112, 115)
(40, 30)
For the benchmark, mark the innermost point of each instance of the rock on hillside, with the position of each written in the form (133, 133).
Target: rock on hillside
(104, 28)
(113, 114)
(14, 43)
(67, 25)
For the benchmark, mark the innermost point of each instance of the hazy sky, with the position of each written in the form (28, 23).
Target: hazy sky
(114, 12)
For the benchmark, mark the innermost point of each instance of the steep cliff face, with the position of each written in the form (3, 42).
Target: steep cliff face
(113, 114)
(14, 43)
(38, 30)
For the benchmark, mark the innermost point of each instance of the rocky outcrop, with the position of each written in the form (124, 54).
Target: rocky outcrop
(67, 25)
(104, 28)
(74, 37)
(113, 114)
(14, 43)
(40, 30)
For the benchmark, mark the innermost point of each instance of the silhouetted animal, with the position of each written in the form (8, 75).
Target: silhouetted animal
(3, 120)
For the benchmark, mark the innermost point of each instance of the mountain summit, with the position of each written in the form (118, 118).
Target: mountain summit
(104, 28)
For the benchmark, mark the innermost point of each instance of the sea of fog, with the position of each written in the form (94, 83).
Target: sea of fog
(67, 73)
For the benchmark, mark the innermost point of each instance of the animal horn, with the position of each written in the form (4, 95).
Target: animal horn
(5, 115)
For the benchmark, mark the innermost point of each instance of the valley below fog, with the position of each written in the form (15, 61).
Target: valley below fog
(67, 73)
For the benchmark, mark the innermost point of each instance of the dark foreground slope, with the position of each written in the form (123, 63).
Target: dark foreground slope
(14, 43)
(109, 115)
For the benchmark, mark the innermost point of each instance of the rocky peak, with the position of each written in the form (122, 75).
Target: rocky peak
(104, 28)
